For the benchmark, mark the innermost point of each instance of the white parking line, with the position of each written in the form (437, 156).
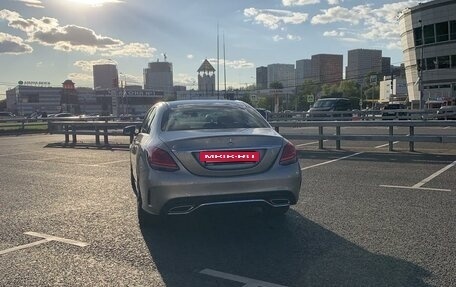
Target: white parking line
(385, 145)
(112, 162)
(411, 187)
(434, 175)
(311, 143)
(426, 180)
(46, 238)
(331, 161)
(11, 154)
(247, 281)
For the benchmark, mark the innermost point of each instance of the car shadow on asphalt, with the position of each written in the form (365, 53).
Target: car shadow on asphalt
(290, 250)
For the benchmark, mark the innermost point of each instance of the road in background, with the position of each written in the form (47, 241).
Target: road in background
(348, 228)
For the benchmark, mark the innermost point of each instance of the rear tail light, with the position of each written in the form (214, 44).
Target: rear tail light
(289, 154)
(161, 160)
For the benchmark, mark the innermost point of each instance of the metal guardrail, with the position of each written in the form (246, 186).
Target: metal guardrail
(390, 137)
(96, 128)
(364, 115)
(110, 126)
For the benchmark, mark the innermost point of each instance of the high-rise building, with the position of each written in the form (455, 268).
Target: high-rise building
(386, 66)
(282, 73)
(105, 76)
(428, 36)
(206, 78)
(261, 78)
(158, 76)
(327, 68)
(303, 71)
(361, 62)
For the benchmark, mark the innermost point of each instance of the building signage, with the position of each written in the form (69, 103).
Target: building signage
(35, 83)
(140, 93)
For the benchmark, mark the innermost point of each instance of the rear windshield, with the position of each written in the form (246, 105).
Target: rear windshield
(325, 103)
(217, 117)
(394, 107)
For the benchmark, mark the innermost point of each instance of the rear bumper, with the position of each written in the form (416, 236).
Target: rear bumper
(181, 192)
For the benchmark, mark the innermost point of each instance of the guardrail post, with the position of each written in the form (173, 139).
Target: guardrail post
(23, 125)
(320, 133)
(338, 140)
(73, 130)
(67, 135)
(411, 142)
(390, 142)
(97, 136)
(106, 142)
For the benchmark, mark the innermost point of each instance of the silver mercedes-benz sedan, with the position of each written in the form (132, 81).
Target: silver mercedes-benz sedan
(189, 155)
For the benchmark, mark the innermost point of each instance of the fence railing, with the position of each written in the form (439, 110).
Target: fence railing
(95, 128)
(390, 137)
(109, 126)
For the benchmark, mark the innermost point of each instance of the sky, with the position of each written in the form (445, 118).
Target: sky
(55, 40)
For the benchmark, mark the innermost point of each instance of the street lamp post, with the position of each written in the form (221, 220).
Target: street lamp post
(124, 94)
(421, 65)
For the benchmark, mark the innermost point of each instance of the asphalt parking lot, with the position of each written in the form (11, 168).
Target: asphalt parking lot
(366, 217)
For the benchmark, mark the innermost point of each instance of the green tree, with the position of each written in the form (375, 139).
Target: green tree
(349, 89)
(276, 85)
(309, 87)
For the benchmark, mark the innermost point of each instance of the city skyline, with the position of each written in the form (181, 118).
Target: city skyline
(58, 40)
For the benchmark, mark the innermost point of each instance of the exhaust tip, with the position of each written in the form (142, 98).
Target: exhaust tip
(280, 202)
(181, 209)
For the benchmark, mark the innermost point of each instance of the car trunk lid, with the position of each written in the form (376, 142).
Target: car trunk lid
(225, 152)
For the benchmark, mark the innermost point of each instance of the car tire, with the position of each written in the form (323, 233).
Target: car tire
(146, 219)
(133, 182)
(275, 211)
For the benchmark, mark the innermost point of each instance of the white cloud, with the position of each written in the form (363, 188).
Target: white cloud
(334, 33)
(190, 56)
(378, 24)
(184, 80)
(48, 32)
(86, 66)
(293, 37)
(32, 3)
(274, 19)
(79, 78)
(341, 14)
(137, 50)
(277, 38)
(334, 2)
(10, 44)
(235, 64)
(299, 2)
(95, 3)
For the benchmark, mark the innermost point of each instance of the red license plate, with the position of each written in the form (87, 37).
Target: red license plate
(229, 156)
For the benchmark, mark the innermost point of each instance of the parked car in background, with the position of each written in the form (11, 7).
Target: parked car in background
(6, 115)
(63, 115)
(190, 155)
(326, 108)
(394, 111)
(447, 113)
(265, 113)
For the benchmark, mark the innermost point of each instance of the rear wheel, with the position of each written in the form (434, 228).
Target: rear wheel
(133, 182)
(146, 219)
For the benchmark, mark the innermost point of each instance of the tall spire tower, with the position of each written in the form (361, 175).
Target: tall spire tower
(206, 78)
